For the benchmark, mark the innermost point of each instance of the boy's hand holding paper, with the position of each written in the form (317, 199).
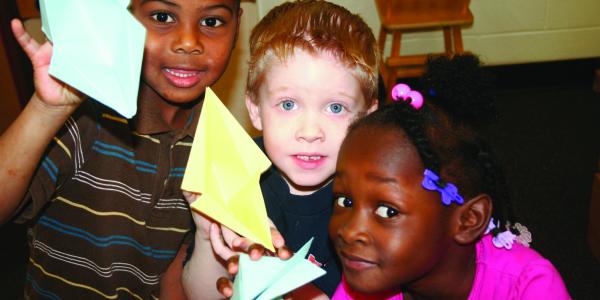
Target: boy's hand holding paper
(224, 168)
(98, 49)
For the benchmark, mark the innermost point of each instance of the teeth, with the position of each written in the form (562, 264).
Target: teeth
(309, 158)
(179, 74)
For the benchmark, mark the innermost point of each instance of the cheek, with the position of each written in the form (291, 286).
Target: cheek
(219, 51)
(155, 43)
(336, 132)
(152, 53)
(333, 226)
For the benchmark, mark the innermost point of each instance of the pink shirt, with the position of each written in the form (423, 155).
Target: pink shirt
(519, 273)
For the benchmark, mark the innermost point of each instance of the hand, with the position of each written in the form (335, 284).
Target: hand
(50, 91)
(225, 242)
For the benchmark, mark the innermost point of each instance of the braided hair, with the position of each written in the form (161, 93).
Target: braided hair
(446, 131)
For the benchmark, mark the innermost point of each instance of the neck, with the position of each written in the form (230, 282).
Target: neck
(173, 115)
(452, 279)
(304, 190)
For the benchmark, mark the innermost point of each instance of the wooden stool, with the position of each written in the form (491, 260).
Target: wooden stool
(400, 16)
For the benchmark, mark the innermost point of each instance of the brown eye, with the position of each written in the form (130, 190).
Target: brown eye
(162, 17)
(386, 212)
(211, 22)
(343, 201)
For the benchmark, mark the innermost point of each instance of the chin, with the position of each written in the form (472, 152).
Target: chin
(375, 292)
(180, 99)
(306, 183)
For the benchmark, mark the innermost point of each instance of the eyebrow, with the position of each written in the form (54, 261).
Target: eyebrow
(382, 179)
(373, 177)
(162, 1)
(212, 7)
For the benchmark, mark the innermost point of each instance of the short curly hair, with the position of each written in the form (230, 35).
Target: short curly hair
(314, 26)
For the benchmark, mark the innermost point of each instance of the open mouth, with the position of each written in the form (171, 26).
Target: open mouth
(309, 157)
(182, 78)
(309, 161)
(181, 73)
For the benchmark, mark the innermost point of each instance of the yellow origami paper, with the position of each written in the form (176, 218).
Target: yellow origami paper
(225, 167)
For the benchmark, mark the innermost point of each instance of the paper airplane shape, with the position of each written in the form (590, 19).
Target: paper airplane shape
(224, 166)
(271, 277)
(98, 47)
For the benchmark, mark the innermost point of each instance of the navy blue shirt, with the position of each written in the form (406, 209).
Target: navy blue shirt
(299, 218)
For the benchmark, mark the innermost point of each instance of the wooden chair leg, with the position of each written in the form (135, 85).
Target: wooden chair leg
(397, 37)
(390, 83)
(448, 41)
(457, 39)
(382, 66)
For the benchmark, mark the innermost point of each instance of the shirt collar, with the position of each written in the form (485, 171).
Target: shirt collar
(148, 120)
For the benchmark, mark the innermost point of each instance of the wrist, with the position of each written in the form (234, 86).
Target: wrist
(49, 110)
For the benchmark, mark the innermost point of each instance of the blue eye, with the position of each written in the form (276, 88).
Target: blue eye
(386, 211)
(288, 105)
(211, 22)
(336, 108)
(162, 17)
(343, 201)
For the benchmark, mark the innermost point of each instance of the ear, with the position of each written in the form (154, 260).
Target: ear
(239, 21)
(373, 107)
(473, 218)
(254, 112)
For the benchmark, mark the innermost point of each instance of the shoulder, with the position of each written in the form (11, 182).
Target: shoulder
(513, 261)
(520, 269)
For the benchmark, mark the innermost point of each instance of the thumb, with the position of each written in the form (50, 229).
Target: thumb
(29, 45)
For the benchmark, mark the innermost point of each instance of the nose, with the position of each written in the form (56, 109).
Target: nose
(353, 229)
(310, 128)
(188, 40)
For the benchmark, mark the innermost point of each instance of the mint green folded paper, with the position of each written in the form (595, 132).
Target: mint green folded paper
(271, 277)
(98, 47)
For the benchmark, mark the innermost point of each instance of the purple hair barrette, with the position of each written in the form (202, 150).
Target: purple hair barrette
(403, 91)
(448, 191)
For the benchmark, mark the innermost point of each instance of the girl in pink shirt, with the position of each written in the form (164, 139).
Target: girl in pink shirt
(421, 210)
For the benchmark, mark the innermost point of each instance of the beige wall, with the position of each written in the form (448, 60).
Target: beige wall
(504, 32)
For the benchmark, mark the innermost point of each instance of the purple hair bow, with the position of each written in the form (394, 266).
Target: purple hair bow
(448, 191)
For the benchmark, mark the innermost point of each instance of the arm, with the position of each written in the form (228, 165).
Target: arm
(201, 272)
(214, 245)
(204, 267)
(23, 143)
(171, 287)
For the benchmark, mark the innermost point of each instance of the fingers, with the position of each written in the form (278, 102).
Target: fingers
(233, 265)
(277, 238)
(232, 239)
(256, 251)
(190, 197)
(225, 287)
(218, 243)
(284, 252)
(29, 45)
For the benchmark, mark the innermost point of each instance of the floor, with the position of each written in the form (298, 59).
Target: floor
(548, 139)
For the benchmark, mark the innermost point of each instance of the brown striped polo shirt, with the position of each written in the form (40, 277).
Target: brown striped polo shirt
(106, 210)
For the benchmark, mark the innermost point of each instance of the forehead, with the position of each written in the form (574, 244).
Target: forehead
(382, 148)
(190, 4)
(317, 73)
